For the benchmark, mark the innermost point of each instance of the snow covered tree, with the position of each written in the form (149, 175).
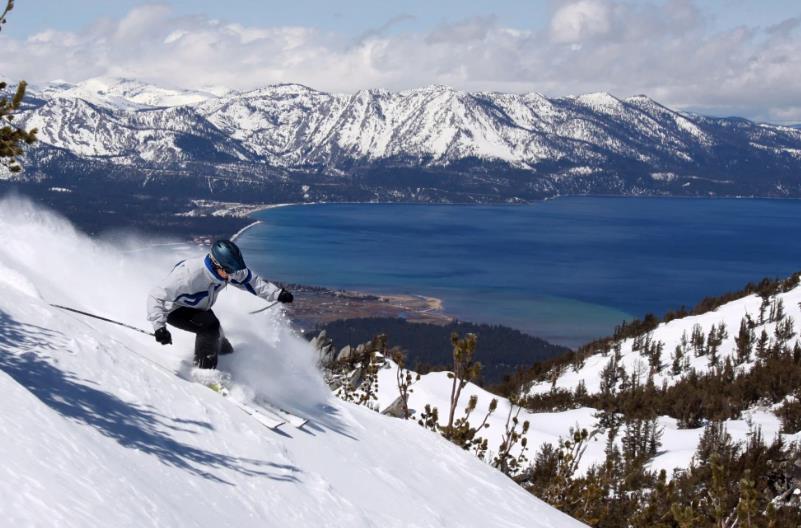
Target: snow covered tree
(12, 137)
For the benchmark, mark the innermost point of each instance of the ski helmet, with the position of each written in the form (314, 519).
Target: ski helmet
(226, 254)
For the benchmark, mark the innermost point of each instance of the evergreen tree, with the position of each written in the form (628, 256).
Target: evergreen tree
(655, 356)
(511, 437)
(713, 341)
(784, 331)
(697, 340)
(464, 371)
(777, 310)
(763, 307)
(403, 379)
(609, 378)
(12, 138)
(744, 342)
(763, 346)
(676, 366)
(747, 510)
(581, 391)
(465, 435)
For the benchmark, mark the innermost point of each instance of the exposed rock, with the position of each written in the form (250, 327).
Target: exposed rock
(395, 408)
(344, 354)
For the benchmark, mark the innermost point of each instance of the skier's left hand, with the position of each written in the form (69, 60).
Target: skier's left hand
(163, 336)
(284, 296)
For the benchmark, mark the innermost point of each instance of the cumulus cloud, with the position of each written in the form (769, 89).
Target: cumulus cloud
(576, 21)
(666, 49)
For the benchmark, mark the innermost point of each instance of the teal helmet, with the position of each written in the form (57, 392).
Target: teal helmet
(226, 254)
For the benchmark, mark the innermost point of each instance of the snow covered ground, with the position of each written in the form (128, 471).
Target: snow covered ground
(97, 430)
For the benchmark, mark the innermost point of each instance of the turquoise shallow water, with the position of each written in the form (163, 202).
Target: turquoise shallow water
(567, 270)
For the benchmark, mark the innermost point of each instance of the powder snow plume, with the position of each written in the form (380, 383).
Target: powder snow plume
(44, 256)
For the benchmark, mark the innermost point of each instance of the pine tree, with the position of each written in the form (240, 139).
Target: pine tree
(655, 356)
(686, 516)
(713, 341)
(777, 310)
(676, 367)
(697, 340)
(744, 341)
(12, 138)
(763, 307)
(718, 494)
(581, 392)
(763, 346)
(403, 379)
(609, 378)
(429, 418)
(370, 365)
(747, 508)
(464, 371)
(784, 331)
(511, 437)
(465, 435)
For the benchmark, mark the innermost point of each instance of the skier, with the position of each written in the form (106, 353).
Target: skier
(185, 298)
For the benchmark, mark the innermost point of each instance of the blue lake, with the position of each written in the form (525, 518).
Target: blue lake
(567, 270)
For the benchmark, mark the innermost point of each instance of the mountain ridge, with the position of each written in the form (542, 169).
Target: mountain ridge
(430, 144)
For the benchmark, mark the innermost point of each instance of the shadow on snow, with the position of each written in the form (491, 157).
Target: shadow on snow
(130, 425)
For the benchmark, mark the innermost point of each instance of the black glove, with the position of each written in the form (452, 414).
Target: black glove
(163, 336)
(284, 296)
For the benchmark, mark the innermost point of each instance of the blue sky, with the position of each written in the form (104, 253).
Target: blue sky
(721, 57)
(354, 17)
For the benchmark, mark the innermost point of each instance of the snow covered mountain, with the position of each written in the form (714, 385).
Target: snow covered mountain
(98, 431)
(428, 144)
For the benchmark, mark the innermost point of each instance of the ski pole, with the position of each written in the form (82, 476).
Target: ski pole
(104, 319)
(265, 308)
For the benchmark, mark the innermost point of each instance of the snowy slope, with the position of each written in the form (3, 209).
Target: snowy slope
(97, 433)
(730, 314)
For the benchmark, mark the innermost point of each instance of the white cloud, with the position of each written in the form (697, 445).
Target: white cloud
(577, 21)
(664, 49)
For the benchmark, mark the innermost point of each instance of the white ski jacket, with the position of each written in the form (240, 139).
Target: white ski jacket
(195, 283)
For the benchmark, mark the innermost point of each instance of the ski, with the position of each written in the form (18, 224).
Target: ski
(215, 381)
(293, 419)
(272, 423)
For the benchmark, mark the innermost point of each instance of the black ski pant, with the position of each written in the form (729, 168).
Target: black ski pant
(208, 335)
